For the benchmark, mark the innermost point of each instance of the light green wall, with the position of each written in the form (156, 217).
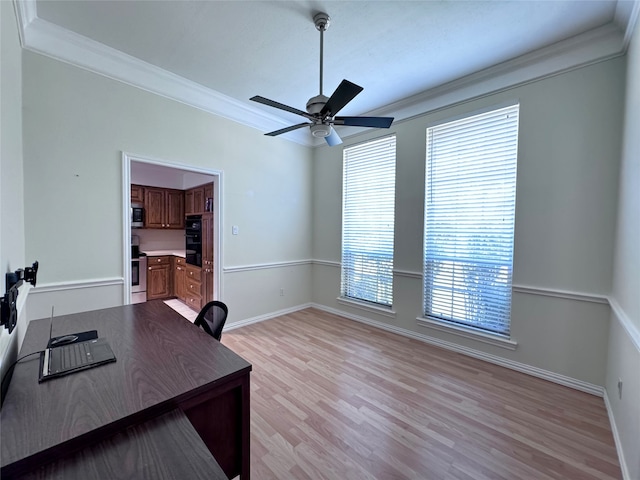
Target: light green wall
(11, 181)
(12, 254)
(568, 157)
(624, 336)
(76, 124)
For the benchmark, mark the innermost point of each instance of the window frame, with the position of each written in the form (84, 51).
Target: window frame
(346, 270)
(452, 325)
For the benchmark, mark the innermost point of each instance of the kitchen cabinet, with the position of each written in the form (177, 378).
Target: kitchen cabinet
(188, 202)
(159, 277)
(193, 287)
(208, 197)
(164, 208)
(207, 258)
(179, 271)
(196, 199)
(137, 194)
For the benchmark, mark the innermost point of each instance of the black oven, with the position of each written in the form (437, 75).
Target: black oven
(193, 236)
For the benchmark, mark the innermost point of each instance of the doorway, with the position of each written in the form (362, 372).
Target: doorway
(140, 170)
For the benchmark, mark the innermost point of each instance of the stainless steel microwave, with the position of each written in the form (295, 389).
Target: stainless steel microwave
(137, 215)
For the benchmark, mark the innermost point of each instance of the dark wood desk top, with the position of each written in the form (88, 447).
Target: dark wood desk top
(167, 447)
(162, 362)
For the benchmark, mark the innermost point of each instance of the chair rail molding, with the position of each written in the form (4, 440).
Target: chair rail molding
(263, 266)
(76, 284)
(629, 327)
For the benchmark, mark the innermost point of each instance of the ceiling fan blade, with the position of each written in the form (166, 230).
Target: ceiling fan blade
(345, 92)
(333, 138)
(281, 106)
(288, 129)
(376, 122)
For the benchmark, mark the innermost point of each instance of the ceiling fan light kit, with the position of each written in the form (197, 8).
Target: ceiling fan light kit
(320, 130)
(321, 110)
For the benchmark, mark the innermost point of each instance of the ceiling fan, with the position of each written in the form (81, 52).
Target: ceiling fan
(321, 110)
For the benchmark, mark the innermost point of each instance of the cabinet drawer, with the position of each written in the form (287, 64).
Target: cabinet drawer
(193, 287)
(194, 301)
(158, 261)
(194, 273)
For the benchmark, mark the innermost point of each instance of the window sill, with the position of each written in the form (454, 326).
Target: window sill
(495, 340)
(386, 311)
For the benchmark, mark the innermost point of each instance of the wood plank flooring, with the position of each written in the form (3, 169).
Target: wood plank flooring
(335, 399)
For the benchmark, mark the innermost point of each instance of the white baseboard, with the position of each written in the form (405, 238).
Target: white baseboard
(517, 366)
(262, 318)
(616, 438)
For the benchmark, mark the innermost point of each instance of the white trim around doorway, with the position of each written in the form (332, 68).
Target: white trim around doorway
(217, 175)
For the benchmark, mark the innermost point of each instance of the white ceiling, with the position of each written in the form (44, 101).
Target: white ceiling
(401, 52)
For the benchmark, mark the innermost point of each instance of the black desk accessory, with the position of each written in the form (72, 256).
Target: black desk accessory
(8, 311)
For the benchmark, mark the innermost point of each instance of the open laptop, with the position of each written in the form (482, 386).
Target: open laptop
(83, 351)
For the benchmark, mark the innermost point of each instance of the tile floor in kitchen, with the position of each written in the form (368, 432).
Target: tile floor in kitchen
(182, 309)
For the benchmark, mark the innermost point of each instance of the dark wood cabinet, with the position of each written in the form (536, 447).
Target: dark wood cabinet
(188, 202)
(164, 208)
(207, 257)
(179, 271)
(137, 194)
(159, 281)
(208, 197)
(175, 209)
(199, 200)
(193, 287)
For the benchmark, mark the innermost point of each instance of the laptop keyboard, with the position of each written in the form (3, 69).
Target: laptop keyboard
(74, 355)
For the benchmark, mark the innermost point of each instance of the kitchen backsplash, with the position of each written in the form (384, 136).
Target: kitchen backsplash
(153, 239)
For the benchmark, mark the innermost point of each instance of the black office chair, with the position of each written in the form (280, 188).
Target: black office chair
(212, 317)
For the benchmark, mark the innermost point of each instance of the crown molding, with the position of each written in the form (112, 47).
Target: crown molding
(627, 17)
(48, 39)
(591, 47)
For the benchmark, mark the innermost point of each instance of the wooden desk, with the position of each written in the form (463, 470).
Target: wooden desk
(167, 448)
(163, 363)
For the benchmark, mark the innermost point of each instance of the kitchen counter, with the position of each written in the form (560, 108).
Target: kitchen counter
(162, 253)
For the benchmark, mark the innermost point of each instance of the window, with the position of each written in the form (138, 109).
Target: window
(368, 221)
(469, 220)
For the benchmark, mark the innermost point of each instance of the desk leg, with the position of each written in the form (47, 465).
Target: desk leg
(222, 419)
(246, 431)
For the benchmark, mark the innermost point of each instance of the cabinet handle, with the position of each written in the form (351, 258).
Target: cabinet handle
(149, 268)
(159, 260)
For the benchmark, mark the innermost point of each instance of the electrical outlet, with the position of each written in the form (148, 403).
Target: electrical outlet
(620, 388)
(282, 292)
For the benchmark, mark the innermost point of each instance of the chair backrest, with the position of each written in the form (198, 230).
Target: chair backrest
(212, 317)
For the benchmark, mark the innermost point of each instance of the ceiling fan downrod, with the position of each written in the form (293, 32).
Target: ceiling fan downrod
(321, 21)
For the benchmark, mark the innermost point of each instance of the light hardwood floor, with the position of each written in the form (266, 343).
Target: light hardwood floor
(335, 399)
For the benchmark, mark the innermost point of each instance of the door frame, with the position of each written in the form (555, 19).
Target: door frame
(217, 175)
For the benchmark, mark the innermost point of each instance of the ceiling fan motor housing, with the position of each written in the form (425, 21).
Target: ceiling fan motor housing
(315, 104)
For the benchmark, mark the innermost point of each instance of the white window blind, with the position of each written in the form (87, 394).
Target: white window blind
(368, 221)
(469, 220)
